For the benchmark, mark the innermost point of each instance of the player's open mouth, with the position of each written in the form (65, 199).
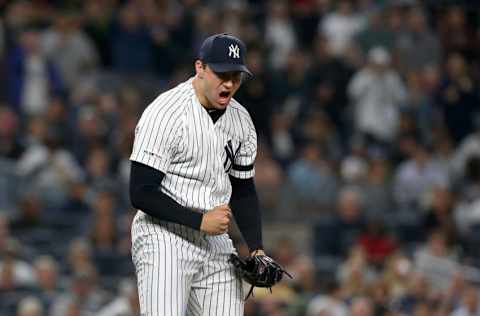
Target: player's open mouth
(224, 95)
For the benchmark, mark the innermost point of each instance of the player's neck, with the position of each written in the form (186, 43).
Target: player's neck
(201, 97)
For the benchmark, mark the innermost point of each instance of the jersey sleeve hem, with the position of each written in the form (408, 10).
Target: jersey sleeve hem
(158, 163)
(242, 174)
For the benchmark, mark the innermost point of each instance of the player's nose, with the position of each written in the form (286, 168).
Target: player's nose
(228, 84)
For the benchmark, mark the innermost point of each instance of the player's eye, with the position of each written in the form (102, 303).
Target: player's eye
(237, 77)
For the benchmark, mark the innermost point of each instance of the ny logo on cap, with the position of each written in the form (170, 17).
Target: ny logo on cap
(234, 50)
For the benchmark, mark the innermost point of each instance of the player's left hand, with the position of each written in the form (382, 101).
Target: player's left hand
(258, 270)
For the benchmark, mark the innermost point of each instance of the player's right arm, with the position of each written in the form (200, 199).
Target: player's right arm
(145, 195)
(157, 137)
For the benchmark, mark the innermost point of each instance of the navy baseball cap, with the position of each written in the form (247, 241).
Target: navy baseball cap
(223, 53)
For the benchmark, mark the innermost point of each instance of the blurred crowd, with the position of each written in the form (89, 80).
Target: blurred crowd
(368, 116)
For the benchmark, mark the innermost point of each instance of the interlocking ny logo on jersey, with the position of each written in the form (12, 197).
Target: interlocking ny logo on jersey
(234, 51)
(230, 159)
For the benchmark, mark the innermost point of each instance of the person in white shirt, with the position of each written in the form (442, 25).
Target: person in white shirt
(376, 93)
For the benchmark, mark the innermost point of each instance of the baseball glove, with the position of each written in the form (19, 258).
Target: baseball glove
(258, 270)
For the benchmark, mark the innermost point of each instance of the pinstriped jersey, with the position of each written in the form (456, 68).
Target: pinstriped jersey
(177, 136)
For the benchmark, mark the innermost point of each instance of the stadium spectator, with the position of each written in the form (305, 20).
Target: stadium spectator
(69, 48)
(326, 85)
(417, 176)
(47, 280)
(331, 303)
(30, 306)
(355, 274)
(375, 34)
(282, 138)
(436, 261)
(257, 91)
(376, 92)
(418, 292)
(340, 26)
(49, 166)
(33, 79)
(417, 46)
(378, 186)
(79, 256)
(15, 273)
(439, 213)
(457, 97)
(132, 47)
(376, 242)
(269, 178)
(10, 143)
(455, 33)
(469, 305)
(125, 304)
(361, 306)
(84, 292)
(279, 33)
(312, 179)
(396, 275)
(99, 170)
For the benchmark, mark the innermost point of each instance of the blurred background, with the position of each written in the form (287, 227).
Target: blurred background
(368, 167)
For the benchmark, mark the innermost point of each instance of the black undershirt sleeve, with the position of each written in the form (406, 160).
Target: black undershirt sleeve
(246, 210)
(145, 194)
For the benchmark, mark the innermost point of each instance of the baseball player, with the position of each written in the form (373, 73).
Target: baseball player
(192, 172)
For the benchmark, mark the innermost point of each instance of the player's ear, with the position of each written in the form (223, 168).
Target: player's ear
(199, 68)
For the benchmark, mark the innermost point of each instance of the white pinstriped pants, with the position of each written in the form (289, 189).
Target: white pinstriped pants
(181, 271)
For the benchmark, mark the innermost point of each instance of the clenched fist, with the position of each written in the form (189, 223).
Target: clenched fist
(216, 221)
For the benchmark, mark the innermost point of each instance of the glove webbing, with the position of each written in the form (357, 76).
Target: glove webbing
(266, 263)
